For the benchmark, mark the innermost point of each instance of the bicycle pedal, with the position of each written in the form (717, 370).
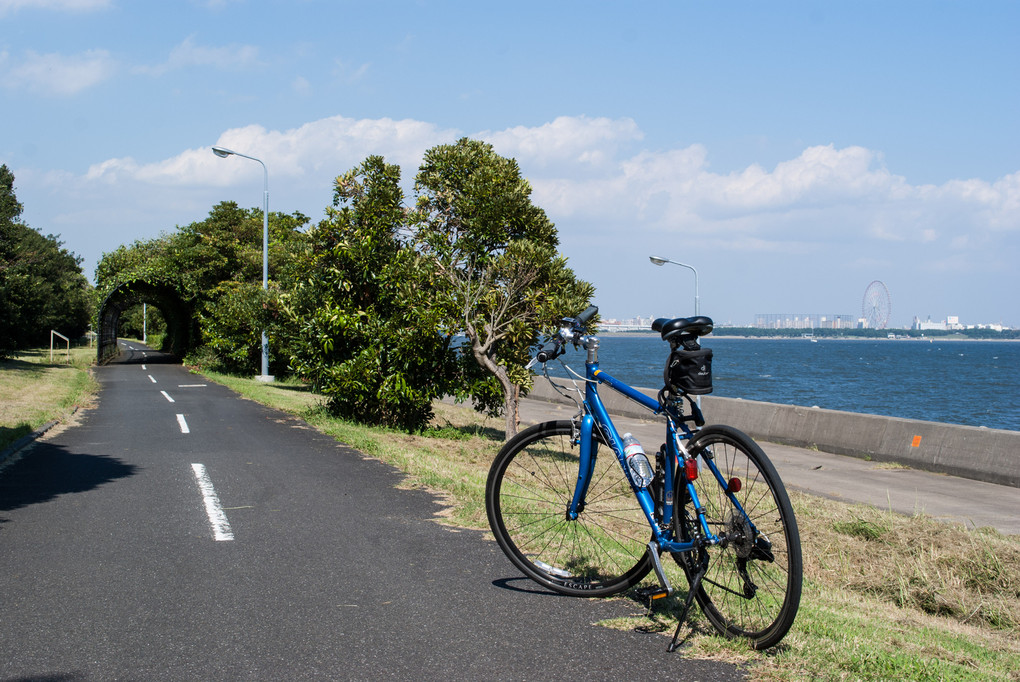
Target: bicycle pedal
(650, 594)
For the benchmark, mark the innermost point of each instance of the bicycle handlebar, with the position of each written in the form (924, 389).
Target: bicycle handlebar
(555, 346)
(550, 350)
(588, 313)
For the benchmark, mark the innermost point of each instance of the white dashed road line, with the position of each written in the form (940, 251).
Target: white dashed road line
(183, 424)
(167, 396)
(218, 520)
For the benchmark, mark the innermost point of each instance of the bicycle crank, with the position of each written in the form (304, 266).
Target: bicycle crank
(664, 589)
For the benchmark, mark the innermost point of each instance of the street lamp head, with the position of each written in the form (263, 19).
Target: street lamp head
(222, 152)
(657, 260)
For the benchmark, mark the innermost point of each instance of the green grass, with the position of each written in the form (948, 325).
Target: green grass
(35, 391)
(886, 596)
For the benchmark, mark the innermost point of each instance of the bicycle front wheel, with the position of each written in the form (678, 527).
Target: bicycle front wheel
(752, 584)
(529, 489)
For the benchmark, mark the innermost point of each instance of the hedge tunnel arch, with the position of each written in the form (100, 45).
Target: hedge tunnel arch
(180, 325)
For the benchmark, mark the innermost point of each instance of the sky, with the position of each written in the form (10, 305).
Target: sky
(790, 152)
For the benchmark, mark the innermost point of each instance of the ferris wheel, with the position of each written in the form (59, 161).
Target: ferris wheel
(877, 305)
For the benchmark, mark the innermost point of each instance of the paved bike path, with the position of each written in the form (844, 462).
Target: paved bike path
(907, 491)
(109, 567)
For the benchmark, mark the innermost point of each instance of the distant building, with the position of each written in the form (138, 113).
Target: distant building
(803, 321)
(633, 324)
(950, 323)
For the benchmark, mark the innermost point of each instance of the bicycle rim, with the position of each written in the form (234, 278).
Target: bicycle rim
(530, 486)
(751, 588)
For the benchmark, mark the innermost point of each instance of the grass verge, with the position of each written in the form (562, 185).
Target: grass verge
(886, 596)
(35, 391)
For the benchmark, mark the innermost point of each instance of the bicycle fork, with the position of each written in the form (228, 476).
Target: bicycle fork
(585, 468)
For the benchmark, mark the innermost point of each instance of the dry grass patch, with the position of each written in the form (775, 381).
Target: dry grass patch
(34, 391)
(972, 576)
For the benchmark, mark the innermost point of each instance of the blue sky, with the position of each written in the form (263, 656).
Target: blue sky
(791, 151)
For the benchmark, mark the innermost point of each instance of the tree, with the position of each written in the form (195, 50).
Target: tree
(42, 286)
(499, 279)
(367, 339)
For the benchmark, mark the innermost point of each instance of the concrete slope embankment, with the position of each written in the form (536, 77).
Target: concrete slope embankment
(982, 454)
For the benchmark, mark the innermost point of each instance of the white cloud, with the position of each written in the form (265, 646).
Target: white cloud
(822, 194)
(349, 74)
(567, 139)
(319, 149)
(56, 74)
(187, 54)
(7, 6)
(578, 173)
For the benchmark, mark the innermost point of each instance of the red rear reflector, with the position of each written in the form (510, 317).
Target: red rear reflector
(734, 486)
(691, 469)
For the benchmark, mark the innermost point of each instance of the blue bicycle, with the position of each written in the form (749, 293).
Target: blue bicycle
(588, 525)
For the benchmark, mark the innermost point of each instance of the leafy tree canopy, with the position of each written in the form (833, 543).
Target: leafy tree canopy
(499, 279)
(367, 338)
(42, 286)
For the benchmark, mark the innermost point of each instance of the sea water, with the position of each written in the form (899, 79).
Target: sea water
(976, 383)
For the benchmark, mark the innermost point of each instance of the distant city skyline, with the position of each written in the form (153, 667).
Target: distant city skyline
(898, 319)
(801, 321)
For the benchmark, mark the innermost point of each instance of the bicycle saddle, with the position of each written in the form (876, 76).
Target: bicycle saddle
(698, 326)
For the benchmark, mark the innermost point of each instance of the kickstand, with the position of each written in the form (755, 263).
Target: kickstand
(694, 587)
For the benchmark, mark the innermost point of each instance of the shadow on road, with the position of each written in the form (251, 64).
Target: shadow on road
(48, 471)
(525, 585)
(149, 357)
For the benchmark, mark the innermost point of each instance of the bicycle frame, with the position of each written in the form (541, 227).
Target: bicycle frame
(595, 414)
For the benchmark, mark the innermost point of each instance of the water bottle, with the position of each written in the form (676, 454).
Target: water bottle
(637, 460)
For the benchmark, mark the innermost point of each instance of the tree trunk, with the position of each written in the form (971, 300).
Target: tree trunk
(511, 392)
(509, 401)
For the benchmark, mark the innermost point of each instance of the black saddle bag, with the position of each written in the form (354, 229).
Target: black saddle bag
(689, 371)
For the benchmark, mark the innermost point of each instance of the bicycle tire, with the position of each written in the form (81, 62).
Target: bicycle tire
(529, 488)
(751, 588)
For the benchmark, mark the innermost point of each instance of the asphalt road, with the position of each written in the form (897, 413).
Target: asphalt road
(110, 566)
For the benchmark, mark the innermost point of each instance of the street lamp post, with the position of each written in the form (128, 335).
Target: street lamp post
(658, 260)
(223, 153)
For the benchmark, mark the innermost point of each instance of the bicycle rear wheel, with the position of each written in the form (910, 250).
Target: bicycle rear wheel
(752, 584)
(529, 489)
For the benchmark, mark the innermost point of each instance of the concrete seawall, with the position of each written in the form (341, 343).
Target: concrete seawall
(991, 455)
